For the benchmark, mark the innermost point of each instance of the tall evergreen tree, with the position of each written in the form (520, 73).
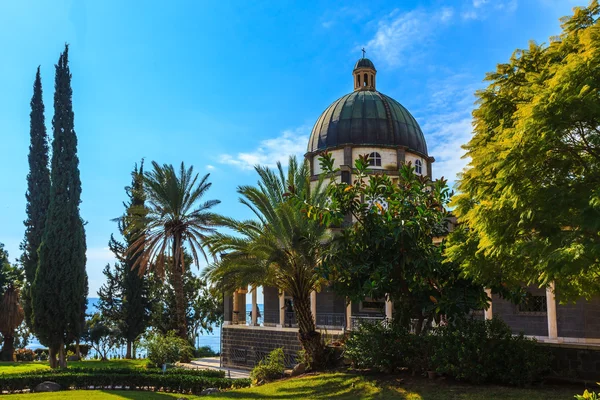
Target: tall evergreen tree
(38, 193)
(131, 312)
(60, 287)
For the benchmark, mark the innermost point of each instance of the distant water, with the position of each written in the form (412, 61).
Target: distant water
(207, 339)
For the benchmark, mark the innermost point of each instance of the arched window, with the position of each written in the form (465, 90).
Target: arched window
(419, 167)
(375, 159)
(366, 80)
(357, 79)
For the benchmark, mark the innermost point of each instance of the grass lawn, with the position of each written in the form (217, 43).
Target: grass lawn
(19, 367)
(341, 386)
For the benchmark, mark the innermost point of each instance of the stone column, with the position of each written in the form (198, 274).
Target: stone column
(236, 308)
(349, 316)
(254, 307)
(488, 313)
(389, 309)
(313, 306)
(551, 312)
(281, 309)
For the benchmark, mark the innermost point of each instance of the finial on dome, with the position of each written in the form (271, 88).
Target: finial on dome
(364, 73)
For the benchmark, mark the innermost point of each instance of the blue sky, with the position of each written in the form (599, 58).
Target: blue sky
(225, 85)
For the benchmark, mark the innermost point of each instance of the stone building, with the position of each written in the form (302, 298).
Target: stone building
(362, 122)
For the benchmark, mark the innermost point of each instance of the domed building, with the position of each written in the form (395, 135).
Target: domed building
(367, 122)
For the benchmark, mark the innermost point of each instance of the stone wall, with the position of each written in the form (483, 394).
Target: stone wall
(579, 320)
(244, 347)
(529, 324)
(271, 305)
(574, 361)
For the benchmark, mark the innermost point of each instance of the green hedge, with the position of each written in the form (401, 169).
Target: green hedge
(134, 380)
(472, 351)
(210, 373)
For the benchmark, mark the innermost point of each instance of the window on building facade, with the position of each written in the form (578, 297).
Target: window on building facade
(419, 167)
(375, 159)
(533, 305)
(372, 305)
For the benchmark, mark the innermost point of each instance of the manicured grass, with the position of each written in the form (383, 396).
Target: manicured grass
(341, 386)
(20, 367)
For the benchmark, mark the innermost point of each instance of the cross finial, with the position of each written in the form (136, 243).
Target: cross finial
(364, 51)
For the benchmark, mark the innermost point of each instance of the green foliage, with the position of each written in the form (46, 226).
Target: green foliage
(588, 395)
(269, 369)
(530, 197)
(10, 274)
(167, 349)
(102, 335)
(279, 248)
(202, 308)
(487, 351)
(133, 380)
(472, 351)
(174, 219)
(38, 193)
(389, 249)
(59, 291)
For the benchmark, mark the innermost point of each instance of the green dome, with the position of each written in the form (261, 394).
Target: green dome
(364, 63)
(366, 117)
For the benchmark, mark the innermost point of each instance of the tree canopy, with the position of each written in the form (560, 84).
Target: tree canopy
(529, 201)
(393, 247)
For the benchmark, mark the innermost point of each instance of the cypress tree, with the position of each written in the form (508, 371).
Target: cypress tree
(60, 285)
(38, 193)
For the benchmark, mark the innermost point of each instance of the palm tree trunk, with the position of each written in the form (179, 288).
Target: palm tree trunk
(307, 333)
(177, 282)
(8, 349)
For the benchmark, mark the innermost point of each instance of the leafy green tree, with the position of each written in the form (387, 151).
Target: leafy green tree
(203, 310)
(38, 193)
(280, 248)
(59, 291)
(389, 250)
(173, 218)
(102, 335)
(529, 202)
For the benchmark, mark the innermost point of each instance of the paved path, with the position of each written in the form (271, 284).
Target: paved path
(213, 363)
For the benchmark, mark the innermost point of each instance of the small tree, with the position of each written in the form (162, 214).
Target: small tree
(11, 316)
(389, 250)
(102, 336)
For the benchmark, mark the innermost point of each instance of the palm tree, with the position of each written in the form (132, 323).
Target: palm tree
(281, 248)
(11, 316)
(173, 218)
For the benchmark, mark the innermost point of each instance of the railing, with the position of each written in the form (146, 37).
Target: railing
(358, 320)
(290, 320)
(331, 320)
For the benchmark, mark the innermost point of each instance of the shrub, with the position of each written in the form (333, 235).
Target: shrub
(588, 396)
(474, 351)
(167, 349)
(487, 351)
(25, 355)
(269, 369)
(181, 383)
(383, 347)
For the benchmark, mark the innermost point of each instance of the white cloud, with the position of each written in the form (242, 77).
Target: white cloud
(270, 151)
(401, 33)
(482, 9)
(210, 167)
(446, 121)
